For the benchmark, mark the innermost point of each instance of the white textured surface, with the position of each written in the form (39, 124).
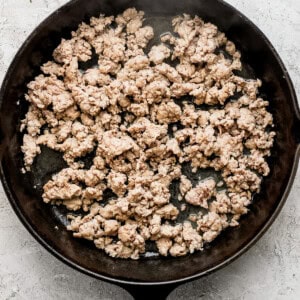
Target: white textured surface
(270, 270)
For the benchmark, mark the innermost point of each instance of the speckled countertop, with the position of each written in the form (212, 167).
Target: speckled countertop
(270, 270)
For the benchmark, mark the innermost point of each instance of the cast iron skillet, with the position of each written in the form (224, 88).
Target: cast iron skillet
(149, 275)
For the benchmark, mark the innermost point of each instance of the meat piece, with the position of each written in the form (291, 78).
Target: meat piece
(113, 48)
(178, 250)
(164, 245)
(30, 150)
(169, 231)
(243, 179)
(173, 146)
(151, 132)
(169, 72)
(239, 203)
(211, 225)
(93, 177)
(168, 113)
(168, 211)
(44, 91)
(159, 53)
(201, 193)
(191, 237)
(90, 99)
(137, 63)
(154, 224)
(63, 191)
(127, 233)
(74, 148)
(222, 205)
(181, 89)
(139, 109)
(88, 230)
(64, 52)
(143, 36)
(82, 49)
(156, 90)
(113, 145)
(246, 120)
(95, 77)
(117, 182)
(189, 116)
(33, 121)
(52, 68)
(99, 24)
(186, 70)
(185, 185)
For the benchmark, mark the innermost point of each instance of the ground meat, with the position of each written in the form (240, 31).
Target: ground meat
(173, 146)
(159, 53)
(185, 185)
(117, 182)
(168, 113)
(178, 249)
(201, 193)
(164, 245)
(191, 237)
(113, 145)
(144, 122)
(64, 52)
(30, 149)
(221, 205)
(44, 91)
(211, 225)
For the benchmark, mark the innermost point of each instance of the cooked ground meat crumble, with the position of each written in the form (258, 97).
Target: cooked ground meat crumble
(145, 118)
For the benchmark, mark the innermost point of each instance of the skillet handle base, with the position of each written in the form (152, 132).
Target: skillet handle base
(157, 292)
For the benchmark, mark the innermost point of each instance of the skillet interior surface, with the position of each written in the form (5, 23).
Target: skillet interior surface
(47, 223)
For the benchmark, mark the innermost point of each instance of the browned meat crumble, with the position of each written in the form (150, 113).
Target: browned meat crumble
(146, 118)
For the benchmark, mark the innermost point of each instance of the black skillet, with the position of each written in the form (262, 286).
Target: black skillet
(148, 277)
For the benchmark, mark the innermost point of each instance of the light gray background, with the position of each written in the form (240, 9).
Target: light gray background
(270, 270)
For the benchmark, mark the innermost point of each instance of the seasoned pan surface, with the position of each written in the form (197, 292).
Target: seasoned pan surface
(47, 223)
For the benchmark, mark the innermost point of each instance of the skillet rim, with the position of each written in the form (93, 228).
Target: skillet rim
(224, 263)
